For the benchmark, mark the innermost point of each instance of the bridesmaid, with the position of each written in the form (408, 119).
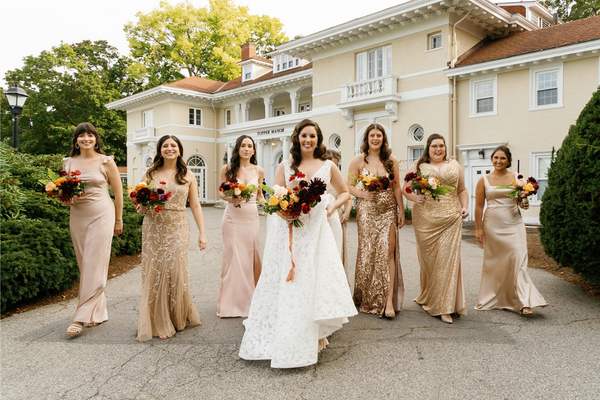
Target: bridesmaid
(378, 284)
(166, 305)
(241, 265)
(438, 226)
(505, 283)
(93, 223)
(339, 230)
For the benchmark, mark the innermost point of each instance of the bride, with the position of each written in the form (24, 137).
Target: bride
(288, 322)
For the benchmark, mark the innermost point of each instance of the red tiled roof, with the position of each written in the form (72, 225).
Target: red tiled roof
(237, 82)
(579, 31)
(198, 84)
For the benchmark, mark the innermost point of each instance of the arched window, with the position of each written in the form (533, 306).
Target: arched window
(197, 165)
(416, 133)
(335, 141)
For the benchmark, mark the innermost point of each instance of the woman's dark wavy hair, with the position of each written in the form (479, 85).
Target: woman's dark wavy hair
(506, 151)
(159, 161)
(425, 157)
(85, 127)
(320, 151)
(384, 152)
(234, 164)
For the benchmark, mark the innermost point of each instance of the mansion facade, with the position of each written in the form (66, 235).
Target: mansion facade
(478, 73)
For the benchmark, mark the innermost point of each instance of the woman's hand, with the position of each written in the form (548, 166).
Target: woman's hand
(369, 196)
(202, 242)
(420, 199)
(68, 203)
(141, 209)
(480, 235)
(330, 210)
(525, 204)
(464, 213)
(118, 228)
(235, 201)
(401, 219)
(345, 217)
(290, 219)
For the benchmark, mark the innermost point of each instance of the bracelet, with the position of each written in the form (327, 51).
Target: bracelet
(118, 222)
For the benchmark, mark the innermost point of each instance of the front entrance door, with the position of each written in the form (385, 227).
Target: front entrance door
(476, 173)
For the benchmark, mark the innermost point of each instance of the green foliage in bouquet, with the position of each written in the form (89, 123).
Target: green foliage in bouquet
(570, 211)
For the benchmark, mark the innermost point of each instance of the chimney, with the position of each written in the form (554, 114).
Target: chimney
(248, 51)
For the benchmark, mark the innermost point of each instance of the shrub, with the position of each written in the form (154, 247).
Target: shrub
(408, 213)
(570, 211)
(11, 195)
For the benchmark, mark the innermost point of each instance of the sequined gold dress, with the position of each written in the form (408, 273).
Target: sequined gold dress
(505, 283)
(166, 305)
(375, 220)
(438, 228)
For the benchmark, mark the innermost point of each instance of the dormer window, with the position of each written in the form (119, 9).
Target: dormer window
(285, 62)
(247, 73)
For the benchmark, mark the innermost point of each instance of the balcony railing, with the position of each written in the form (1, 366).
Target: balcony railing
(143, 133)
(369, 89)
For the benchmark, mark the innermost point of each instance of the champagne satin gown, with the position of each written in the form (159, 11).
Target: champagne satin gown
(241, 266)
(375, 220)
(505, 283)
(92, 223)
(438, 233)
(166, 305)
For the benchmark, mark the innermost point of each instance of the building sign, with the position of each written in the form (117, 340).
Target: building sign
(270, 131)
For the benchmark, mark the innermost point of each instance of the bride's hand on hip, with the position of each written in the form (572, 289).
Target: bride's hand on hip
(464, 213)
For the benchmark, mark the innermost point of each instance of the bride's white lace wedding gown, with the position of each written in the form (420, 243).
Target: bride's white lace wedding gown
(287, 319)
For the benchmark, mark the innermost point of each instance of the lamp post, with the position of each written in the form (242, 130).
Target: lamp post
(16, 97)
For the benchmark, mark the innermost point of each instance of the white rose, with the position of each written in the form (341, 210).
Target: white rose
(360, 186)
(280, 191)
(522, 182)
(432, 183)
(237, 191)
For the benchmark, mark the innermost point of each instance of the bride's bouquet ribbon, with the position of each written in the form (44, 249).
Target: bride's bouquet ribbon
(292, 273)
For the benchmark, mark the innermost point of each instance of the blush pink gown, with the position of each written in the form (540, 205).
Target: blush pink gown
(92, 224)
(241, 258)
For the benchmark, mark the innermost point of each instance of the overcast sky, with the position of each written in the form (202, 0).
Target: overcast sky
(30, 26)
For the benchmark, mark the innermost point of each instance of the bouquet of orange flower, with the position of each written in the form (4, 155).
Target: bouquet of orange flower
(369, 182)
(522, 188)
(294, 202)
(63, 187)
(424, 185)
(148, 196)
(237, 190)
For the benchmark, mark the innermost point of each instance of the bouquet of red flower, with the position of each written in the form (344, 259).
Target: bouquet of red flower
(237, 190)
(522, 188)
(368, 182)
(146, 195)
(423, 184)
(63, 187)
(294, 202)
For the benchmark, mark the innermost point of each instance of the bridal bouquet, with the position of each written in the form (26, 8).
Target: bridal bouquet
(293, 202)
(521, 188)
(63, 187)
(146, 195)
(423, 184)
(237, 190)
(368, 182)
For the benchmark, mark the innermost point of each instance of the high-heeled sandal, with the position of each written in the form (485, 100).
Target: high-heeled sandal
(75, 328)
(526, 311)
(446, 318)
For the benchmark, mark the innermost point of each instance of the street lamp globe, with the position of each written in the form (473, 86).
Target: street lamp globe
(16, 97)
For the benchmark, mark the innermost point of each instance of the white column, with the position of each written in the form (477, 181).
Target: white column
(237, 113)
(245, 106)
(268, 106)
(229, 151)
(259, 152)
(294, 97)
(286, 147)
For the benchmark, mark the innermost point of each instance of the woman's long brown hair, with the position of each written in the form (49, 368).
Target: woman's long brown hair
(384, 152)
(159, 161)
(85, 127)
(234, 164)
(320, 151)
(425, 157)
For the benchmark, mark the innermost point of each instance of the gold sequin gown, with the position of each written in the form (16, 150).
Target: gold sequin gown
(505, 283)
(438, 228)
(375, 219)
(166, 305)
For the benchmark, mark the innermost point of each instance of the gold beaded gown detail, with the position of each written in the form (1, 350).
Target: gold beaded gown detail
(375, 220)
(505, 283)
(438, 227)
(166, 305)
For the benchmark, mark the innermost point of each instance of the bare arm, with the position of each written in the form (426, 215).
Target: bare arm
(196, 209)
(347, 209)
(398, 191)
(479, 203)
(337, 181)
(280, 175)
(261, 177)
(115, 183)
(463, 195)
(354, 169)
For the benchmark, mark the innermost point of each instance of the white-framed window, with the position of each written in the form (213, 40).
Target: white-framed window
(434, 41)
(335, 141)
(484, 98)
(279, 111)
(246, 73)
(197, 165)
(304, 107)
(374, 63)
(539, 163)
(147, 119)
(416, 133)
(285, 62)
(414, 153)
(546, 88)
(195, 116)
(228, 117)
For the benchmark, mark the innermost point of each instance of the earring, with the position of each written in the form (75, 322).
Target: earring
(96, 146)
(77, 146)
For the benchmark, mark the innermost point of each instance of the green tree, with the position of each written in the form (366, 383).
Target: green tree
(571, 10)
(570, 211)
(68, 85)
(175, 41)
